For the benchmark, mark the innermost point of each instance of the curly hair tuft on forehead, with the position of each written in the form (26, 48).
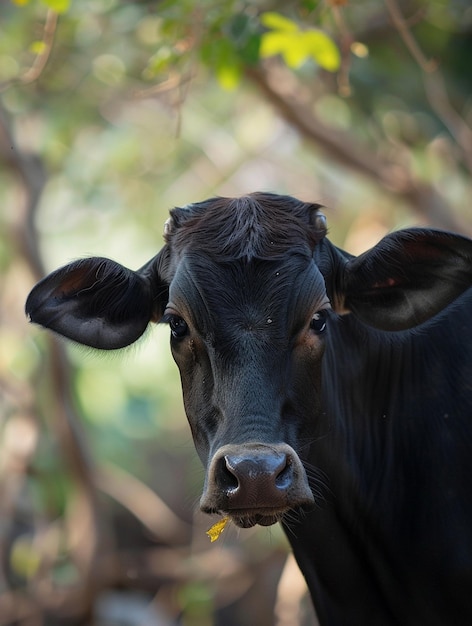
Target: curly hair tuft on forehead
(256, 226)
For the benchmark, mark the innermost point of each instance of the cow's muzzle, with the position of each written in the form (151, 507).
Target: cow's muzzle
(255, 483)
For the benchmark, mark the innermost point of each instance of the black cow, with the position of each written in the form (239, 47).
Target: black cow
(327, 392)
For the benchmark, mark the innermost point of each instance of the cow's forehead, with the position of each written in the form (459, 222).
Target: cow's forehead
(281, 290)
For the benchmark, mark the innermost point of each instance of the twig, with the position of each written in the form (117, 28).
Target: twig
(143, 503)
(344, 85)
(434, 86)
(427, 65)
(439, 101)
(174, 82)
(31, 175)
(39, 63)
(41, 59)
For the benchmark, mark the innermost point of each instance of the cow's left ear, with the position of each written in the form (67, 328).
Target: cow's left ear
(406, 278)
(98, 302)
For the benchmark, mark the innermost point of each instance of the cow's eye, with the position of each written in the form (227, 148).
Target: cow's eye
(178, 327)
(318, 321)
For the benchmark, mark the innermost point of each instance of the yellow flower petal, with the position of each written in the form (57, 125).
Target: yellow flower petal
(215, 531)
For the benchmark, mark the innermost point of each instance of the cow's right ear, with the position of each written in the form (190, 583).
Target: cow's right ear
(406, 279)
(98, 302)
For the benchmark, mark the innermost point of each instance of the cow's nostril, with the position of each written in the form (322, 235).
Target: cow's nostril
(225, 477)
(284, 478)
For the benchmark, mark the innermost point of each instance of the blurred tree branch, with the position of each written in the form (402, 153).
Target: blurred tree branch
(427, 65)
(87, 538)
(143, 503)
(44, 48)
(293, 102)
(41, 59)
(30, 173)
(435, 88)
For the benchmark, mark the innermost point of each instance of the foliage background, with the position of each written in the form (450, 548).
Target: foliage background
(112, 113)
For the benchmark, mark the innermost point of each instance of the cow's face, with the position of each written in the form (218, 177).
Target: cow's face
(248, 311)
(247, 334)
(248, 338)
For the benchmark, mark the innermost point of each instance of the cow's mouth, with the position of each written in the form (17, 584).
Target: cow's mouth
(250, 519)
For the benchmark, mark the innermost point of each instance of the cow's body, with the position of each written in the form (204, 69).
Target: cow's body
(348, 422)
(392, 543)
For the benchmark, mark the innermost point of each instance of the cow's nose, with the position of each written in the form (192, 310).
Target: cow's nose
(254, 479)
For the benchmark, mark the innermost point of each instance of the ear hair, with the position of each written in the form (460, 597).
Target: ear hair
(177, 215)
(318, 222)
(168, 228)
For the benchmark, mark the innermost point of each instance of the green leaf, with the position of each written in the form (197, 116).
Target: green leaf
(221, 56)
(292, 46)
(59, 6)
(159, 62)
(296, 54)
(322, 49)
(243, 33)
(238, 27)
(273, 43)
(229, 76)
(38, 47)
(251, 52)
(309, 5)
(296, 46)
(275, 21)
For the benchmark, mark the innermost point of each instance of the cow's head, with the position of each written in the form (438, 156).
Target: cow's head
(248, 287)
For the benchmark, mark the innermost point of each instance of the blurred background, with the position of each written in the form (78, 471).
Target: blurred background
(111, 113)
